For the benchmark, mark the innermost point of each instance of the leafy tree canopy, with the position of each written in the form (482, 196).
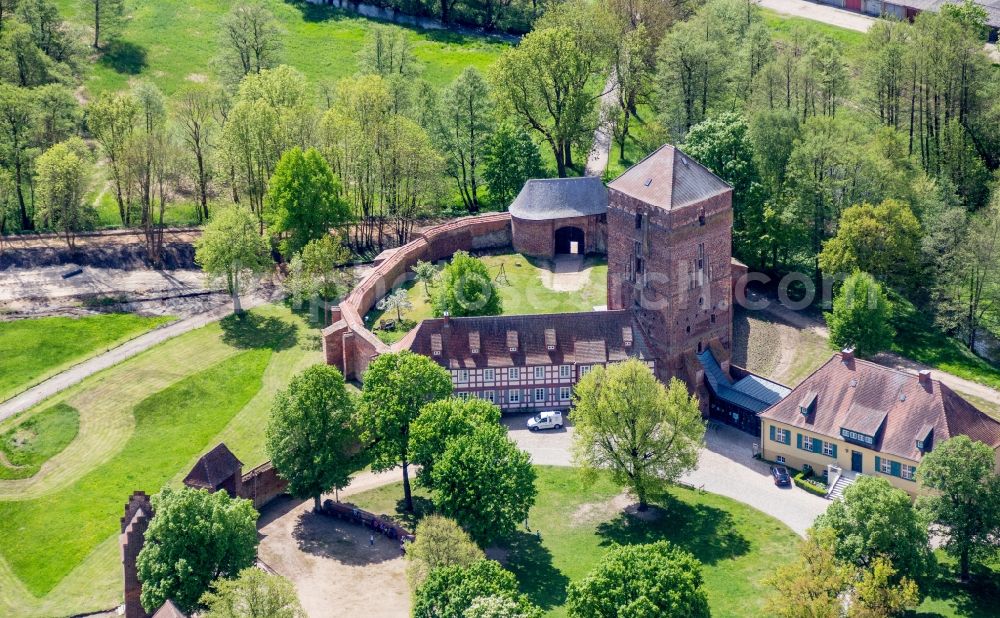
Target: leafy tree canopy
(440, 542)
(466, 288)
(442, 421)
(231, 248)
(861, 316)
(253, 594)
(449, 591)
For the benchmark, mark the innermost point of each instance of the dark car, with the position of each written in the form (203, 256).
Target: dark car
(780, 476)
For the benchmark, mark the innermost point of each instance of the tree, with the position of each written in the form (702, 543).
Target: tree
(880, 594)
(965, 498)
(466, 122)
(107, 17)
(440, 422)
(498, 606)
(387, 52)
(656, 579)
(509, 160)
(16, 115)
(875, 519)
(440, 542)
(62, 177)
(113, 120)
(811, 586)
(311, 439)
(58, 114)
(633, 71)
(882, 240)
(317, 271)
(450, 590)
(194, 111)
(861, 316)
(426, 273)
(304, 199)
(543, 81)
(632, 425)
(397, 301)
(466, 288)
(194, 538)
(250, 41)
(253, 594)
(230, 247)
(396, 387)
(485, 482)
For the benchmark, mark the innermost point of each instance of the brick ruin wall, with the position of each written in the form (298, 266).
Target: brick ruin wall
(347, 342)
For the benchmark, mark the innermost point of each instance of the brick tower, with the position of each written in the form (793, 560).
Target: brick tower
(669, 256)
(138, 513)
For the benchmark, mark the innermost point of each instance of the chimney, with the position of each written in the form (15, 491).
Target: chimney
(924, 375)
(447, 318)
(847, 355)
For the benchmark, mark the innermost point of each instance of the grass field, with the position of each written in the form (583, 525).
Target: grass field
(29, 444)
(173, 41)
(524, 285)
(33, 350)
(737, 544)
(143, 424)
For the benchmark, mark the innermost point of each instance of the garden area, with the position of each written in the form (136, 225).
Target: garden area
(576, 522)
(137, 426)
(36, 349)
(525, 285)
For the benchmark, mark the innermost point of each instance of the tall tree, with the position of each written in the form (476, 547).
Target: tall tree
(875, 519)
(811, 586)
(317, 270)
(440, 542)
(250, 41)
(253, 594)
(195, 108)
(450, 590)
(632, 425)
(194, 538)
(231, 248)
(633, 71)
(509, 160)
(396, 301)
(466, 288)
(107, 16)
(304, 202)
(965, 499)
(656, 579)
(17, 111)
(464, 130)
(861, 316)
(442, 421)
(396, 387)
(63, 174)
(113, 119)
(485, 482)
(310, 436)
(880, 594)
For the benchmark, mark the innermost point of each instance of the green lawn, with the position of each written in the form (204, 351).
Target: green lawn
(172, 41)
(524, 285)
(29, 444)
(33, 350)
(737, 544)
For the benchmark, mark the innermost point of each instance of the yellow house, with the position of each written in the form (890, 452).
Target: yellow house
(856, 417)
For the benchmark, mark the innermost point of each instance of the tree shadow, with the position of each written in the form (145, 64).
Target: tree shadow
(706, 532)
(978, 599)
(124, 57)
(345, 542)
(253, 331)
(531, 561)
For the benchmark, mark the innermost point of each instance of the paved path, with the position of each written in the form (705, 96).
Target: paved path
(597, 159)
(77, 373)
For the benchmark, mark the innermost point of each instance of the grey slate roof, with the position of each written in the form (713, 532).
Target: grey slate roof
(751, 392)
(669, 179)
(543, 199)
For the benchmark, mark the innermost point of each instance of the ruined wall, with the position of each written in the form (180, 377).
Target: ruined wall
(347, 342)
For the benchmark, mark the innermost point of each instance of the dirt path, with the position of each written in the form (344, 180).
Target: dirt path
(597, 159)
(130, 348)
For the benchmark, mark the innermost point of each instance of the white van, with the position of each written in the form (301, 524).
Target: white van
(546, 420)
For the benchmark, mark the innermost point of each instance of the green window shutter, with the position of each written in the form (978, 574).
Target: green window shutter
(788, 437)
(834, 455)
(817, 446)
(772, 433)
(895, 467)
(878, 463)
(798, 440)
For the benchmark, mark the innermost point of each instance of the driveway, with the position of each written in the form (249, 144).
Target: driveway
(726, 467)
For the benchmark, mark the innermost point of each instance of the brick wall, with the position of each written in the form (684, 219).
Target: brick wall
(262, 484)
(138, 513)
(537, 238)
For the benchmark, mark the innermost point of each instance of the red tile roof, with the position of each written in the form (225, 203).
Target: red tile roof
(669, 179)
(864, 397)
(564, 338)
(213, 468)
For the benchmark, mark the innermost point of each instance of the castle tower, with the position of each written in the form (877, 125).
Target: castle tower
(138, 513)
(669, 256)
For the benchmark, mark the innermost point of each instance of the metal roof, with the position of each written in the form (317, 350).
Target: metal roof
(542, 199)
(751, 392)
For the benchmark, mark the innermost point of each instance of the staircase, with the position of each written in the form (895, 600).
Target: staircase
(839, 487)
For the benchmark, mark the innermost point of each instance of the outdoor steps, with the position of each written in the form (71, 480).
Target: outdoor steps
(839, 487)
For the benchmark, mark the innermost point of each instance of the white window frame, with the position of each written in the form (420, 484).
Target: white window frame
(807, 443)
(907, 473)
(542, 392)
(779, 435)
(585, 369)
(513, 373)
(885, 466)
(463, 376)
(539, 373)
(564, 371)
(514, 395)
(490, 396)
(489, 374)
(564, 393)
(828, 448)
(463, 395)
(780, 459)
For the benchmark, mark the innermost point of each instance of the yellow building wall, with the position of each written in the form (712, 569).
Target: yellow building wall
(796, 457)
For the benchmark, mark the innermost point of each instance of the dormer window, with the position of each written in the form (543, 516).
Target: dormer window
(550, 339)
(808, 404)
(436, 344)
(474, 342)
(512, 340)
(924, 438)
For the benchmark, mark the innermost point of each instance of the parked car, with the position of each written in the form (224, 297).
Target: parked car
(546, 420)
(780, 476)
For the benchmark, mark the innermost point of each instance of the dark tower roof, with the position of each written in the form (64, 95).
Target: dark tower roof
(542, 199)
(669, 179)
(213, 468)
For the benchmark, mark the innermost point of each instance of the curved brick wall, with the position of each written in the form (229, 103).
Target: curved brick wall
(347, 343)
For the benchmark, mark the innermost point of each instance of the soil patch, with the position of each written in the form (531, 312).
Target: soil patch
(596, 512)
